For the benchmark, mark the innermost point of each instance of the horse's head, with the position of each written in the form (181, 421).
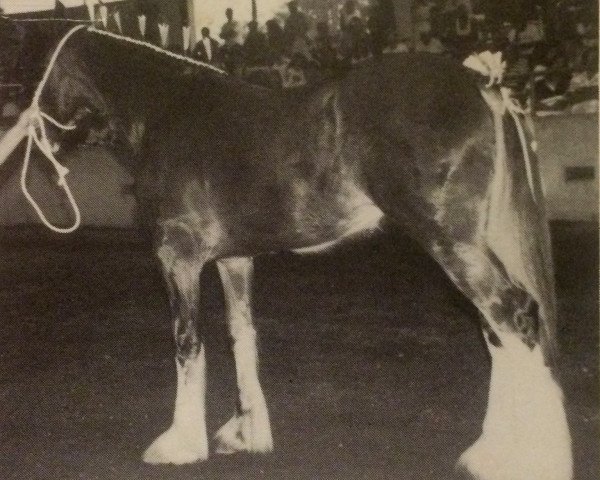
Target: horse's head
(72, 97)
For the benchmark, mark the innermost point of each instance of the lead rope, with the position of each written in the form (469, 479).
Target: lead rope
(491, 65)
(515, 110)
(36, 133)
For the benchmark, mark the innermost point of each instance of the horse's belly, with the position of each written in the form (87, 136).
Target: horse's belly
(355, 213)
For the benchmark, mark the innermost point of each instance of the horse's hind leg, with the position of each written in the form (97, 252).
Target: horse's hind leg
(249, 430)
(525, 434)
(185, 441)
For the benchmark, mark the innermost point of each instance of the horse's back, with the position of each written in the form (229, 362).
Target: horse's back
(421, 88)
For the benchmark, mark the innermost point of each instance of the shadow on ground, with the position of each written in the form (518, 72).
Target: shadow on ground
(371, 362)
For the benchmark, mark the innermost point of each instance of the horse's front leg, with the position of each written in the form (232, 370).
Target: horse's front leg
(186, 440)
(249, 430)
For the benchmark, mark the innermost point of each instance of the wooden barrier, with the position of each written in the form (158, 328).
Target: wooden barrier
(568, 153)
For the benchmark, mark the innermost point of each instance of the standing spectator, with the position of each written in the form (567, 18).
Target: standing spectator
(230, 29)
(12, 37)
(207, 49)
(295, 31)
(378, 29)
(255, 46)
(275, 37)
(463, 33)
(231, 50)
(516, 75)
(323, 51)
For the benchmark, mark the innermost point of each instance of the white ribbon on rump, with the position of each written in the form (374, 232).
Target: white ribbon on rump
(489, 65)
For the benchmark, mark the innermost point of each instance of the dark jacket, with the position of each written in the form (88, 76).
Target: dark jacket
(201, 54)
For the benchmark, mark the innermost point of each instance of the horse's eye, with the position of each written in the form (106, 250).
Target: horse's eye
(81, 113)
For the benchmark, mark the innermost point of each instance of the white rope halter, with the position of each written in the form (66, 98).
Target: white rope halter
(36, 132)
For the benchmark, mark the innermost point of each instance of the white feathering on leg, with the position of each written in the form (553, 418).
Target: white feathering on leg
(525, 432)
(186, 440)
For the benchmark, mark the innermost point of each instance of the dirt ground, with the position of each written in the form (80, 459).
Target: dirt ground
(372, 364)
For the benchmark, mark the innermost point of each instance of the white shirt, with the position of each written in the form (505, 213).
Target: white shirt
(208, 47)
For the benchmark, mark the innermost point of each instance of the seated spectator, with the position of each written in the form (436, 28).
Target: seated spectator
(354, 45)
(256, 47)
(395, 45)
(207, 49)
(532, 33)
(11, 110)
(231, 50)
(583, 89)
(429, 43)
(587, 76)
(552, 76)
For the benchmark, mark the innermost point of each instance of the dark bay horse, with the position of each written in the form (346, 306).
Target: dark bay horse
(231, 171)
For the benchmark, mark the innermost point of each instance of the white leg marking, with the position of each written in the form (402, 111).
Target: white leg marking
(250, 429)
(525, 432)
(185, 441)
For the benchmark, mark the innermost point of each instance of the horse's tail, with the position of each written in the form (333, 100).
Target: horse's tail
(518, 231)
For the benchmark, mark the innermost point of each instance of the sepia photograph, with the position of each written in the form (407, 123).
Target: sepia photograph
(299, 240)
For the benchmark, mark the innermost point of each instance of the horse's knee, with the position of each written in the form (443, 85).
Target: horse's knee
(182, 258)
(178, 244)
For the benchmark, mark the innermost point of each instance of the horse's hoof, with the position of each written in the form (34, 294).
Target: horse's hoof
(244, 433)
(485, 461)
(176, 447)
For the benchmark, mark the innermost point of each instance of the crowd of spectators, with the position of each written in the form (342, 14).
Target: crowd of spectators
(554, 54)
(551, 53)
(292, 41)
